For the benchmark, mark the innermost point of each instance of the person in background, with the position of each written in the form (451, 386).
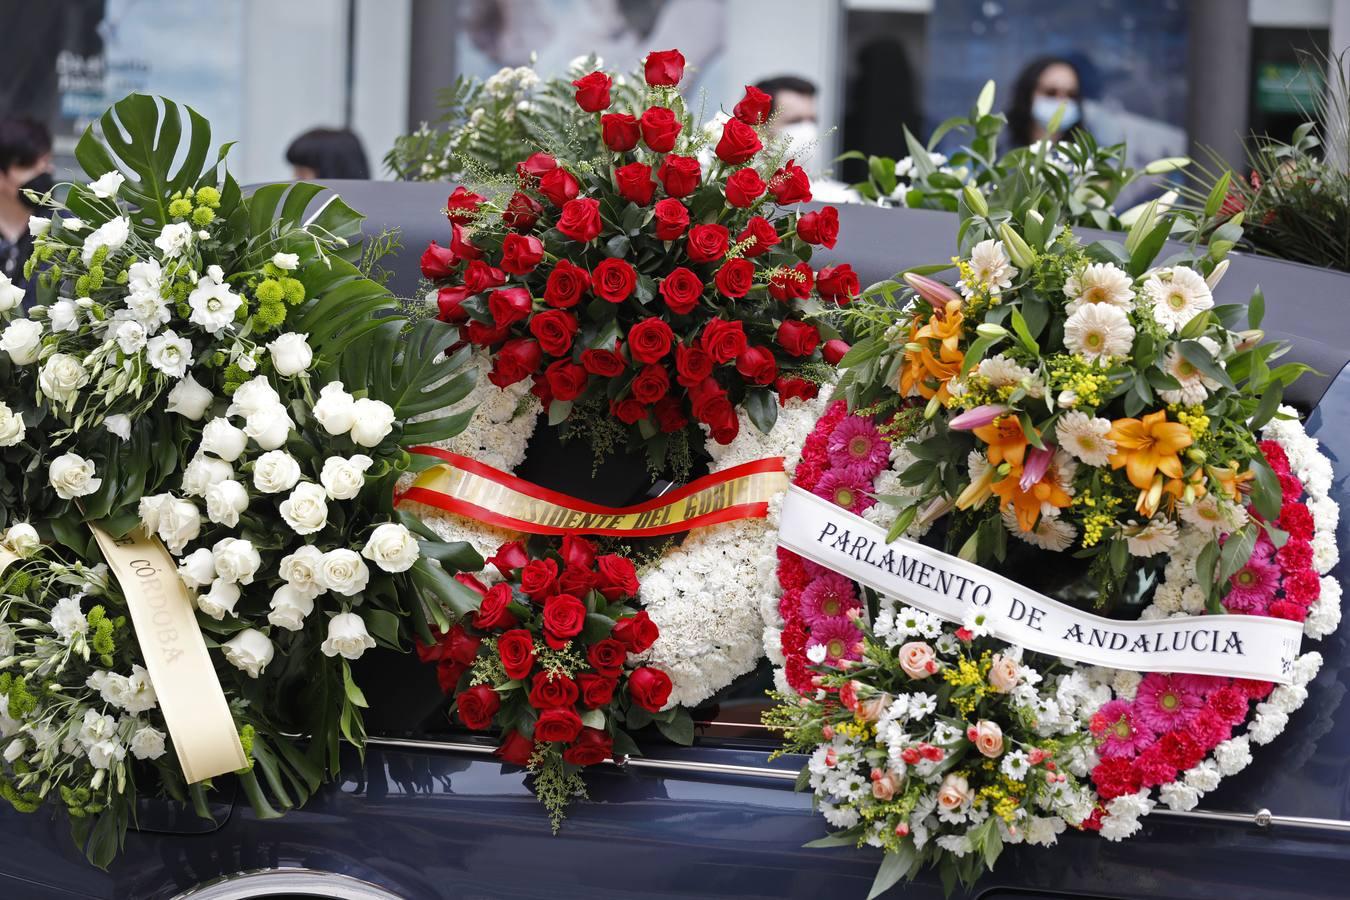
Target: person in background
(794, 108)
(327, 153)
(25, 163)
(1041, 89)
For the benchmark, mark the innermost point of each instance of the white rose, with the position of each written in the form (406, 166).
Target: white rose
(220, 600)
(291, 354)
(22, 539)
(289, 607)
(22, 340)
(105, 753)
(150, 508)
(203, 472)
(306, 509)
(342, 572)
(107, 185)
(275, 471)
(335, 410)
(71, 475)
(347, 636)
(198, 568)
(12, 428)
(119, 424)
(38, 226)
(392, 547)
(269, 427)
(286, 261)
(179, 524)
(11, 295)
(189, 399)
(169, 353)
(111, 234)
(344, 478)
(174, 239)
(300, 570)
(251, 396)
(235, 559)
(147, 743)
(64, 315)
(61, 377)
(223, 440)
(373, 420)
(225, 501)
(213, 306)
(249, 650)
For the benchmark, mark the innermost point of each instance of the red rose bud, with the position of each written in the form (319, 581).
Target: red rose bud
(738, 144)
(577, 552)
(552, 691)
(798, 338)
(521, 253)
(681, 290)
(564, 616)
(593, 745)
(509, 557)
(671, 218)
(494, 611)
(539, 578)
(566, 379)
(613, 280)
(448, 304)
(754, 108)
(515, 648)
(460, 247)
(557, 725)
(744, 187)
(580, 219)
(723, 340)
(477, 706)
(707, 243)
(509, 305)
(516, 361)
(620, 131)
(515, 749)
(735, 278)
(790, 185)
(596, 690)
(838, 284)
(651, 384)
(660, 128)
(462, 205)
(559, 186)
(795, 389)
(605, 363)
(820, 228)
(554, 329)
(629, 411)
(757, 365)
(535, 166)
(607, 657)
(649, 340)
(834, 351)
(649, 688)
(669, 415)
(680, 175)
(479, 277)
(469, 581)
(522, 212)
(637, 633)
(758, 237)
(576, 581)
(593, 92)
(437, 261)
(663, 68)
(635, 183)
(693, 365)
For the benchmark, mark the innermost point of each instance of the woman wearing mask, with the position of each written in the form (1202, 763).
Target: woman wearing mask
(25, 164)
(1042, 88)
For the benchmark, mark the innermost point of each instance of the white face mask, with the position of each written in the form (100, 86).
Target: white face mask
(1043, 110)
(802, 136)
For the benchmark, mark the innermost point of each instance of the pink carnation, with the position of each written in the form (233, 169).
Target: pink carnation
(1210, 728)
(1302, 588)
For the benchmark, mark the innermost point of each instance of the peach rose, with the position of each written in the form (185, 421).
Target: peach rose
(885, 783)
(871, 710)
(954, 793)
(918, 659)
(988, 738)
(1003, 673)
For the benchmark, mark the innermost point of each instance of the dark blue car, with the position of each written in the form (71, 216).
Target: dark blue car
(429, 813)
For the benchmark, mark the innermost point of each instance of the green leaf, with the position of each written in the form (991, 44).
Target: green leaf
(1196, 354)
(846, 838)
(1266, 493)
(353, 692)
(1237, 550)
(558, 411)
(762, 409)
(1024, 334)
(1256, 309)
(381, 623)
(894, 866)
(1217, 195)
(680, 729)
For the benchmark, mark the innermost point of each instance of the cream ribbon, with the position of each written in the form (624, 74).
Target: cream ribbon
(6, 560)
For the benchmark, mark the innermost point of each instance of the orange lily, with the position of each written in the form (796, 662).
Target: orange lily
(1027, 504)
(1147, 446)
(1232, 483)
(925, 371)
(1006, 441)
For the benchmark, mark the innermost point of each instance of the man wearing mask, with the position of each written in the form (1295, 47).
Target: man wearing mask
(25, 163)
(794, 108)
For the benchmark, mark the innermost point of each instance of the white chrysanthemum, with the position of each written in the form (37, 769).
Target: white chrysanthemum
(1098, 332)
(1177, 295)
(990, 268)
(1085, 438)
(1158, 536)
(1050, 533)
(1195, 385)
(1099, 283)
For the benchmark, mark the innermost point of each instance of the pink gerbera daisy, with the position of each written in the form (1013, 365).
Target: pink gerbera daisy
(1164, 702)
(846, 488)
(828, 597)
(1252, 587)
(856, 444)
(840, 638)
(1117, 733)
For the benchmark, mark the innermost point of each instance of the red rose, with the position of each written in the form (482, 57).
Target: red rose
(580, 219)
(681, 290)
(516, 650)
(516, 361)
(482, 334)
(592, 746)
(564, 616)
(723, 340)
(437, 261)
(509, 557)
(738, 144)
(607, 657)
(707, 243)
(663, 68)
(557, 725)
(834, 350)
(744, 187)
(605, 363)
(649, 688)
(460, 247)
(670, 415)
(577, 552)
(758, 237)
(555, 329)
(566, 379)
(790, 185)
(535, 166)
(462, 205)
(837, 284)
(460, 646)
(754, 108)
(613, 280)
(521, 253)
(635, 183)
(671, 217)
(735, 278)
(792, 284)
(549, 691)
(716, 411)
(593, 92)
(538, 578)
(660, 128)
(798, 338)
(596, 690)
(448, 675)
(795, 388)
(509, 305)
(540, 388)
(819, 227)
(565, 285)
(628, 411)
(494, 610)
(479, 277)
(448, 304)
(757, 365)
(693, 365)
(620, 131)
(477, 706)
(559, 186)
(472, 583)
(649, 340)
(515, 749)
(680, 175)
(651, 384)
(576, 581)
(637, 633)
(522, 212)
(618, 577)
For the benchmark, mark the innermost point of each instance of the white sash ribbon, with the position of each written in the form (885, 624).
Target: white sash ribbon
(1257, 647)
